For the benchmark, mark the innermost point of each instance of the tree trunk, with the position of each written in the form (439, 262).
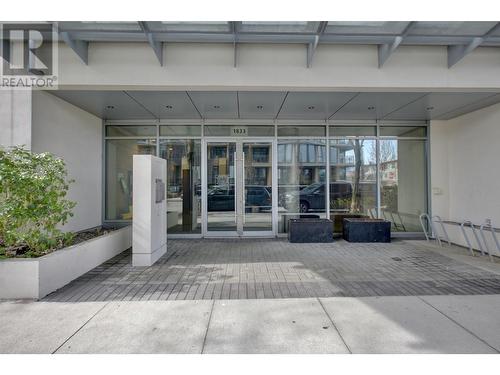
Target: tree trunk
(355, 201)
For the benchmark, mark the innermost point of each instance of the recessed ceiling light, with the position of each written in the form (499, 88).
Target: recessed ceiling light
(168, 107)
(311, 107)
(110, 107)
(216, 106)
(260, 107)
(430, 108)
(371, 108)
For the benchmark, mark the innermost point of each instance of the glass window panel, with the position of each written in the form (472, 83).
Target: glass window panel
(258, 186)
(119, 174)
(301, 131)
(465, 28)
(251, 130)
(352, 131)
(131, 130)
(183, 184)
(99, 26)
(261, 154)
(280, 27)
(403, 131)
(190, 26)
(353, 179)
(221, 180)
(311, 155)
(260, 130)
(366, 27)
(403, 183)
(301, 180)
(180, 130)
(303, 153)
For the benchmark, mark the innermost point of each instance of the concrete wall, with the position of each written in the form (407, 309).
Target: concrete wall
(464, 168)
(15, 117)
(76, 136)
(191, 66)
(412, 183)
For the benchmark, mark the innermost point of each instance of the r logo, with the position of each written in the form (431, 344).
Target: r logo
(29, 54)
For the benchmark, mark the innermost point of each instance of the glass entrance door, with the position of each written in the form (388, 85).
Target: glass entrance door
(221, 198)
(238, 188)
(258, 195)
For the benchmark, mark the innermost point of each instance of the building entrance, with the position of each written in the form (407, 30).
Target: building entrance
(238, 188)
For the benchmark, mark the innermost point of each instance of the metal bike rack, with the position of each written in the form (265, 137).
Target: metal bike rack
(445, 233)
(487, 225)
(481, 245)
(424, 229)
(385, 216)
(393, 220)
(431, 225)
(434, 233)
(462, 227)
(476, 236)
(401, 221)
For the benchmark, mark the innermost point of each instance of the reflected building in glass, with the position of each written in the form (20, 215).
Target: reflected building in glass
(251, 179)
(183, 184)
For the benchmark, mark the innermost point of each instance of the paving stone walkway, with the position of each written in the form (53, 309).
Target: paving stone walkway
(274, 268)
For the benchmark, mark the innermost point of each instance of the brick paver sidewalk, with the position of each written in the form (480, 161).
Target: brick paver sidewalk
(274, 268)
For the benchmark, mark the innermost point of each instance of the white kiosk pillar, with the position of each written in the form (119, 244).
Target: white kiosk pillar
(149, 223)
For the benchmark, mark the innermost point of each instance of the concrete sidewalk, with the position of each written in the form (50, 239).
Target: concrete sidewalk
(401, 324)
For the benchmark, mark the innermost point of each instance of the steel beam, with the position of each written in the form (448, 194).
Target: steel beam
(311, 47)
(80, 47)
(234, 28)
(385, 50)
(458, 52)
(186, 37)
(156, 45)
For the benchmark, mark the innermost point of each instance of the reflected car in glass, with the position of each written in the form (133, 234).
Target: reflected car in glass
(221, 198)
(312, 197)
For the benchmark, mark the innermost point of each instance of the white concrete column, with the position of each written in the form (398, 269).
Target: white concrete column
(149, 223)
(15, 117)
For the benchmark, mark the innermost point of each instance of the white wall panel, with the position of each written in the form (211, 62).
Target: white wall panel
(464, 164)
(75, 136)
(15, 117)
(192, 66)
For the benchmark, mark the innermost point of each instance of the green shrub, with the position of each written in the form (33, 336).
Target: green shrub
(33, 202)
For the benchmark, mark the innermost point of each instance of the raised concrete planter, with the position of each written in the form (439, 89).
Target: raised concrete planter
(37, 277)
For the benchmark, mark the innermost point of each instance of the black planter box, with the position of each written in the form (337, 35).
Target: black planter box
(367, 230)
(310, 230)
(338, 220)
